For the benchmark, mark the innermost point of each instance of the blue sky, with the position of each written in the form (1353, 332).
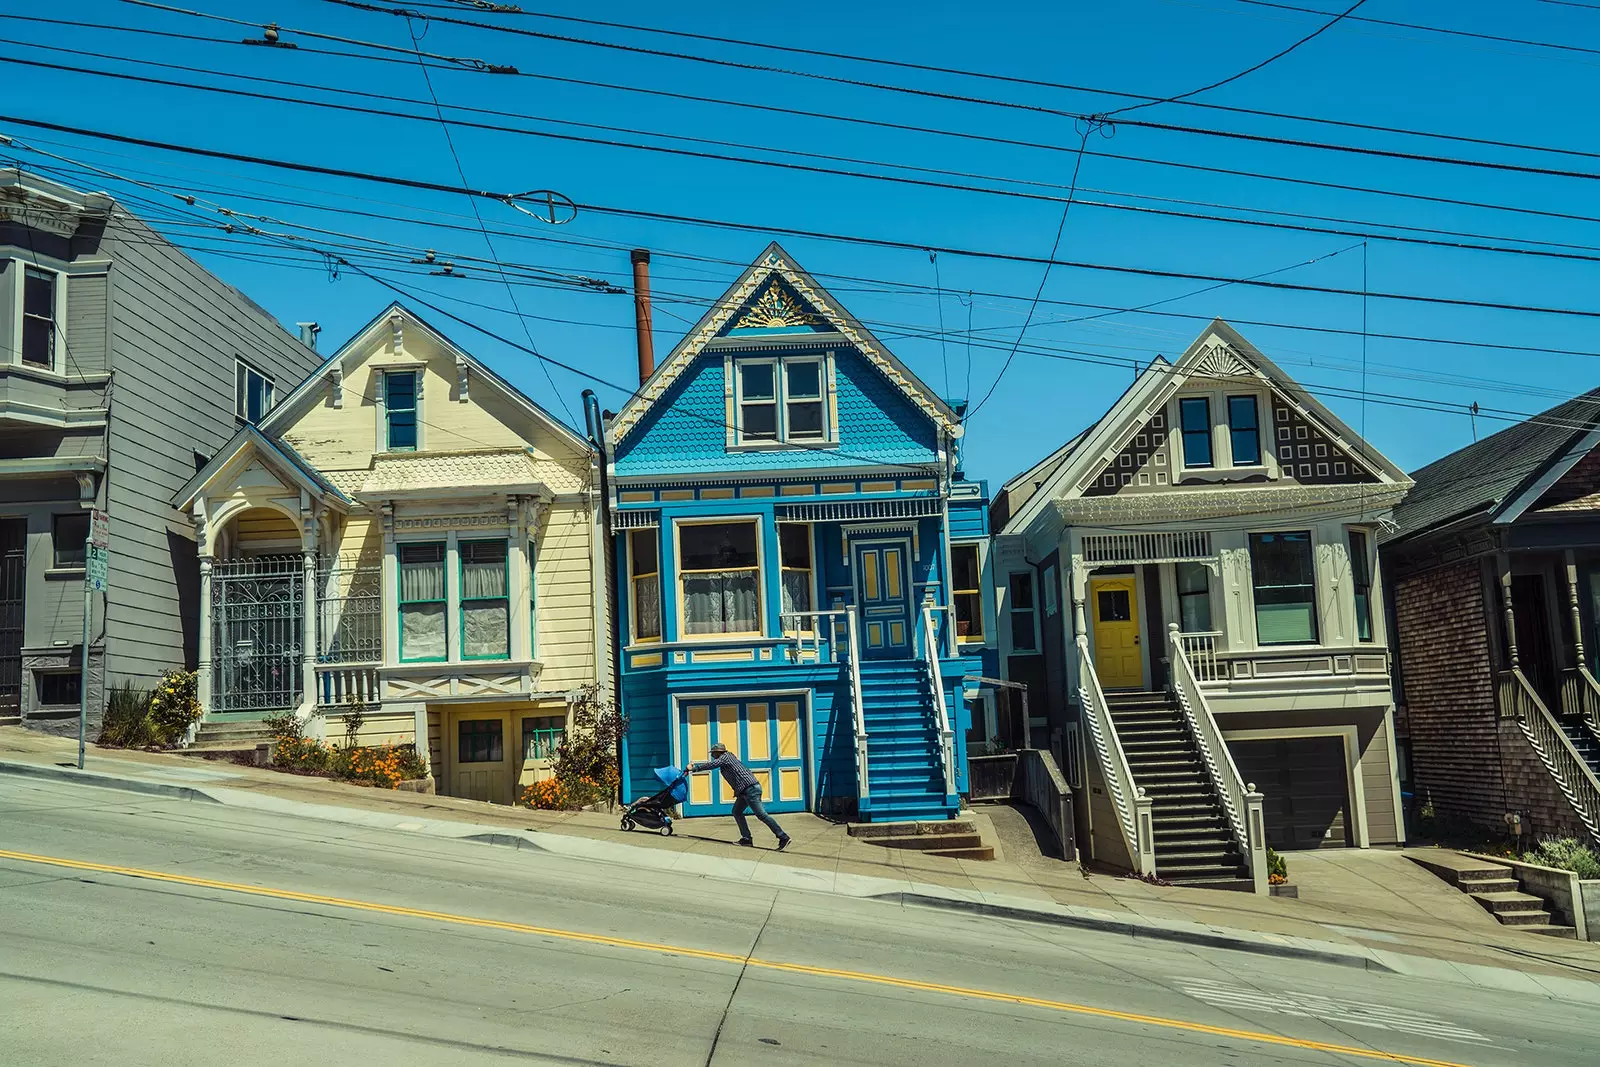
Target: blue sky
(1354, 72)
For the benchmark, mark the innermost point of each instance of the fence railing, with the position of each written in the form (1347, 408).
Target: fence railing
(1518, 700)
(857, 706)
(257, 645)
(1580, 697)
(1132, 807)
(349, 612)
(814, 632)
(1240, 801)
(342, 685)
(1201, 650)
(947, 746)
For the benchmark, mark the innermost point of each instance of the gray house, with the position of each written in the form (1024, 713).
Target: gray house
(123, 365)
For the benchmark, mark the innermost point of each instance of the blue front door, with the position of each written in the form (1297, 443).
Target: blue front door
(883, 593)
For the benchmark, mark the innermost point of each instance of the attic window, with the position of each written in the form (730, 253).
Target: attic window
(781, 400)
(252, 392)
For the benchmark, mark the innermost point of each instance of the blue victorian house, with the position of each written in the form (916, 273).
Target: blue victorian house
(788, 582)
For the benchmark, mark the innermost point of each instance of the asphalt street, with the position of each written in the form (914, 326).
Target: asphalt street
(138, 930)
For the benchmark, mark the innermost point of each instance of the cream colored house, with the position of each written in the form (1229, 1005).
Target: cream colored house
(408, 533)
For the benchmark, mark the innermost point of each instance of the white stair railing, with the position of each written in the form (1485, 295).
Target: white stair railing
(947, 737)
(1517, 699)
(858, 708)
(1133, 808)
(1240, 801)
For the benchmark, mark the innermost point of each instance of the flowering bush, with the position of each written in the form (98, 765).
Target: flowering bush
(585, 762)
(1277, 869)
(175, 704)
(570, 794)
(382, 765)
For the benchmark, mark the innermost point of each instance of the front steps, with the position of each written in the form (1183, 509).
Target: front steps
(1583, 740)
(1194, 843)
(217, 738)
(956, 839)
(904, 774)
(1497, 890)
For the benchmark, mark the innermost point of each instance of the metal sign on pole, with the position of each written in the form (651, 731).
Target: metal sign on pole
(96, 563)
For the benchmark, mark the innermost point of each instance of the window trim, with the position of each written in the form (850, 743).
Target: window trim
(1210, 433)
(241, 391)
(633, 593)
(810, 571)
(553, 735)
(1357, 587)
(1255, 604)
(1032, 611)
(780, 400)
(462, 600)
(680, 572)
(981, 637)
(416, 373)
(401, 602)
(58, 336)
(55, 542)
(1261, 451)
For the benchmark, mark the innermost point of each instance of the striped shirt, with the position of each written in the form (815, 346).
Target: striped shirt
(736, 774)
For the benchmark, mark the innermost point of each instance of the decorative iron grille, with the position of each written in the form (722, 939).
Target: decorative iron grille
(349, 612)
(257, 610)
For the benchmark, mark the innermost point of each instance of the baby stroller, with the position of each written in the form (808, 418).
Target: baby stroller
(655, 812)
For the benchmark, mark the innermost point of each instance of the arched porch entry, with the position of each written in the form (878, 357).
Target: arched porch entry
(257, 583)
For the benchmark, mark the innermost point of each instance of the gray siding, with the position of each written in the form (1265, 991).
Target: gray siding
(87, 322)
(7, 311)
(175, 333)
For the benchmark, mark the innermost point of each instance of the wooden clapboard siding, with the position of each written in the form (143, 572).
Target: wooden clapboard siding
(565, 614)
(88, 321)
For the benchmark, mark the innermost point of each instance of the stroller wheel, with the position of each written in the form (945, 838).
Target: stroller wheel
(627, 824)
(666, 829)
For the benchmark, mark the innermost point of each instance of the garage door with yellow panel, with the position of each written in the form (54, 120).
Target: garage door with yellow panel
(766, 733)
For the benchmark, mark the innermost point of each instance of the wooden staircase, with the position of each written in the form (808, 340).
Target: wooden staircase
(1194, 844)
(904, 768)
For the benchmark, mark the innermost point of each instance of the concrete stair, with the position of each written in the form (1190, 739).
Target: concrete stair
(956, 839)
(224, 738)
(904, 773)
(1194, 844)
(1497, 890)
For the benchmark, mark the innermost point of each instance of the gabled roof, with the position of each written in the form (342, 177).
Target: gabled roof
(310, 389)
(279, 455)
(775, 261)
(1502, 475)
(1235, 357)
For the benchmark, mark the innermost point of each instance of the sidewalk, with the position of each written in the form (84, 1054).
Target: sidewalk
(1365, 908)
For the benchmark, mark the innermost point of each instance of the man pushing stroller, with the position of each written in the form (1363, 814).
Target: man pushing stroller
(746, 793)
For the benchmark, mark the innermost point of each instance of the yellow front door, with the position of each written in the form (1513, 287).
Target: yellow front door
(1115, 604)
(482, 760)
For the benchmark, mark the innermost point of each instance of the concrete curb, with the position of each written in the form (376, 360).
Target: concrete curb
(108, 781)
(1240, 941)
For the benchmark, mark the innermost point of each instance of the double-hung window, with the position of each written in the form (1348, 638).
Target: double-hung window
(1194, 422)
(423, 595)
(719, 577)
(1244, 431)
(252, 392)
(966, 591)
(1194, 598)
(1361, 580)
(644, 583)
(1024, 623)
(400, 410)
(781, 401)
(794, 552)
(485, 600)
(1284, 574)
(39, 289)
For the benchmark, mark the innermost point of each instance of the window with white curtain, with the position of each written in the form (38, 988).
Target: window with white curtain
(644, 579)
(485, 603)
(794, 550)
(719, 577)
(423, 597)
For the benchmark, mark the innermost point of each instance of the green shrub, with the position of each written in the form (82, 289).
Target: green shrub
(127, 722)
(1567, 854)
(175, 705)
(1277, 868)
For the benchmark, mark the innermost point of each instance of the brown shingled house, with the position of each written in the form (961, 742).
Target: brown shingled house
(1495, 575)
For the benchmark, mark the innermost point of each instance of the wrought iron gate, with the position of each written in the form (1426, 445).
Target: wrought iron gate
(257, 611)
(13, 583)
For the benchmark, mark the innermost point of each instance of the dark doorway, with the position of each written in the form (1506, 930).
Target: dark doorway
(1536, 654)
(13, 582)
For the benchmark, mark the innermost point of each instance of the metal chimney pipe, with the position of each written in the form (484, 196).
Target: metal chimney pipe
(641, 313)
(308, 334)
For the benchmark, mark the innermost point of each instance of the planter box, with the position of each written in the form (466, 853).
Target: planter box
(1285, 890)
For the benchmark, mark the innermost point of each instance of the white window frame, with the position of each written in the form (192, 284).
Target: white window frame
(681, 601)
(1032, 611)
(979, 547)
(1222, 461)
(18, 297)
(241, 391)
(780, 401)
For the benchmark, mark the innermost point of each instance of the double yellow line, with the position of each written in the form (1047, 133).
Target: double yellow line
(729, 957)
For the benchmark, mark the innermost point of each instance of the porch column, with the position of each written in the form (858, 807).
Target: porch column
(308, 611)
(519, 582)
(1503, 562)
(391, 590)
(1573, 606)
(1080, 592)
(203, 672)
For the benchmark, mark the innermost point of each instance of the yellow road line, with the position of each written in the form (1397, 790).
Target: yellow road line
(734, 958)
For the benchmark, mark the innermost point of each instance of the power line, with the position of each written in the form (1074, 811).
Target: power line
(1495, 37)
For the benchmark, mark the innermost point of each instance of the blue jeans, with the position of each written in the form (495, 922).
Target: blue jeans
(750, 800)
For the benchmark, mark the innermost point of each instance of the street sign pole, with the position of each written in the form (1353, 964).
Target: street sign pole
(96, 561)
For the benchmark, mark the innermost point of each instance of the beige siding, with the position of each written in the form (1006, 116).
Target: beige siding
(377, 729)
(1377, 786)
(564, 617)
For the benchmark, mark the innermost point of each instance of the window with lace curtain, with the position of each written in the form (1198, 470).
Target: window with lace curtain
(719, 577)
(485, 603)
(644, 582)
(794, 550)
(422, 602)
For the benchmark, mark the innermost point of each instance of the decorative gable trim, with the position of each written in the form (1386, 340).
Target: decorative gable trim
(776, 310)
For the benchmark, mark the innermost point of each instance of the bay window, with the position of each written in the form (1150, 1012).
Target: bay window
(39, 326)
(485, 600)
(1361, 581)
(1194, 598)
(719, 577)
(644, 583)
(794, 558)
(1283, 571)
(966, 591)
(423, 597)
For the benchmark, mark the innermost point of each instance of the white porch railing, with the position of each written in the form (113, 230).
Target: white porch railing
(1240, 802)
(1517, 699)
(930, 660)
(1157, 546)
(347, 684)
(1133, 808)
(858, 706)
(1200, 648)
(815, 633)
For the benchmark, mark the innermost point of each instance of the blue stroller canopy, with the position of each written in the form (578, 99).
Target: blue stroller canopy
(678, 780)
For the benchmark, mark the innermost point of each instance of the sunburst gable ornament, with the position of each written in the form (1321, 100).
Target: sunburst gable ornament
(776, 307)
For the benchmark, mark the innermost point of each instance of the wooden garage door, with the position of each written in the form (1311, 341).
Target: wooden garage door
(1304, 787)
